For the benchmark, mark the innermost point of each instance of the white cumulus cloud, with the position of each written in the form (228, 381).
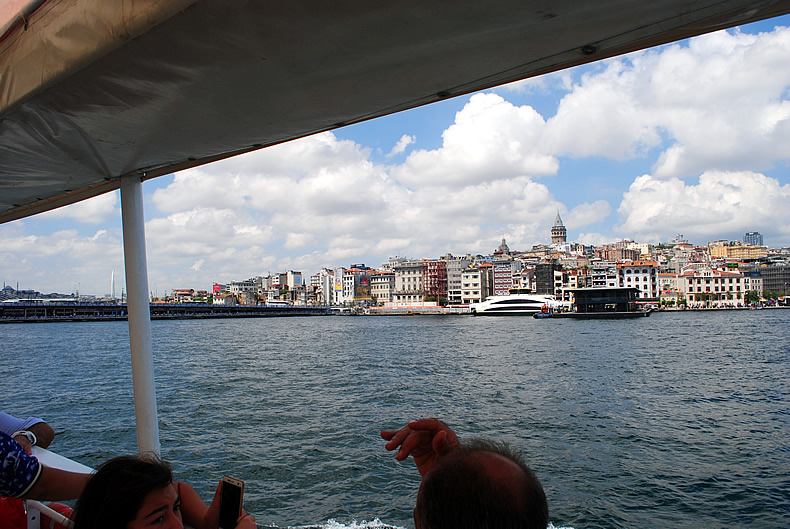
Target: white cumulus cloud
(719, 204)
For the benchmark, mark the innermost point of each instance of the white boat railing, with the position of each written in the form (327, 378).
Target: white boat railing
(35, 508)
(34, 511)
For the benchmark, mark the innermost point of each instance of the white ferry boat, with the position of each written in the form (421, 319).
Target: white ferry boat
(520, 302)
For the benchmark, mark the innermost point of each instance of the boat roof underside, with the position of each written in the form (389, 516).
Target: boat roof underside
(93, 91)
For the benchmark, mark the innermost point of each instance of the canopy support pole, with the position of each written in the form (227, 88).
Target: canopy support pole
(139, 314)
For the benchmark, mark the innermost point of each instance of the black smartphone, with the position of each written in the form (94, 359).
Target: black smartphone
(230, 500)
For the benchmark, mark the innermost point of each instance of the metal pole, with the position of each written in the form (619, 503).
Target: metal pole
(139, 314)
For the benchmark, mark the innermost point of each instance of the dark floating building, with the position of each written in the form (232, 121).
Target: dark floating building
(602, 303)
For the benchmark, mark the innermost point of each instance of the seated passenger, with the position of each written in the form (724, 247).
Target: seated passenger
(132, 492)
(477, 484)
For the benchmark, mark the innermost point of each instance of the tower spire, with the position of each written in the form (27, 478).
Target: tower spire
(558, 232)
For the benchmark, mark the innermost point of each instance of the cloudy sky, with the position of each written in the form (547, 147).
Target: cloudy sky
(691, 138)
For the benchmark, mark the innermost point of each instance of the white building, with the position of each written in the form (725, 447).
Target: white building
(408, 282)
(323, 282)
(474, 285)
(639, 274)
(705, 287)
(382, 286)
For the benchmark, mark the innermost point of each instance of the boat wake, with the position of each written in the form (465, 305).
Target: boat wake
(332, 524)
(375, 524)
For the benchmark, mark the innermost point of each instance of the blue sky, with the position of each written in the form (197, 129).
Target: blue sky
(690, 138)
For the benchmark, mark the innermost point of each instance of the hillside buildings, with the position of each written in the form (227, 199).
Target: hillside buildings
(721, 274)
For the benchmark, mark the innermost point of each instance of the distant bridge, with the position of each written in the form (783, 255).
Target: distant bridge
(26, 312)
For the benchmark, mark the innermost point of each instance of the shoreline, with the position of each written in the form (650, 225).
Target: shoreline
(39, 313)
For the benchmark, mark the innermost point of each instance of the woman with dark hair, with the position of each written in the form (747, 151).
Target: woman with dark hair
(133, 492)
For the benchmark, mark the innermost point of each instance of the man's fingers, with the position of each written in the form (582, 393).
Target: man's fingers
(395, 437)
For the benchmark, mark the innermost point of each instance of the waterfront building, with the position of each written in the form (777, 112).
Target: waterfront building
(474, 285)
(671, 298)
(668, 282)
(753, 281)
(544, 277)
(356, 286)
(408, 281)
(323, 282)
(434, 273)
(558, 232)
(502, 271)
(704, 286)
(338, 294)
(455, 267)
(753, 238)
(382, 286)
(224, 299)
(776, 278)
(639, 274)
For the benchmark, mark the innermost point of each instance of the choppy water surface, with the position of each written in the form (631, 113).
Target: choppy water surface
(677, 420)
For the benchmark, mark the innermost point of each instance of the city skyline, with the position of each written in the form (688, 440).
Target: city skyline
(685, 138)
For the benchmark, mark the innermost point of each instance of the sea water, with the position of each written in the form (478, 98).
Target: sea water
(676, 420)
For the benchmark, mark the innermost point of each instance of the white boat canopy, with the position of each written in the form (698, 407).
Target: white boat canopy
(101, 95)
(91, 91)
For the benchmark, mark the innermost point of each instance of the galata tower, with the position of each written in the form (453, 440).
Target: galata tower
(558, 233)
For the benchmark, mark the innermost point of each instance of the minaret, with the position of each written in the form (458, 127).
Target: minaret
(112, 285)
(558, 233)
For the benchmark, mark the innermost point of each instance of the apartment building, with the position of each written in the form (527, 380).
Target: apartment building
(356, 286)
(502, 275)
(455, 268)
(602, 274)
(382, 286)
(474, 285)
(249, 285)
(639, 274)
(408, 282)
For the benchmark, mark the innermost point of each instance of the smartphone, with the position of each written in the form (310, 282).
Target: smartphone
(230, 500)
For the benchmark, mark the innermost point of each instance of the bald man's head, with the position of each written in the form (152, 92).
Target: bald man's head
(483, 484)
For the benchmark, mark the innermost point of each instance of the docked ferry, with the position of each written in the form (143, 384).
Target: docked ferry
(520, 302)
